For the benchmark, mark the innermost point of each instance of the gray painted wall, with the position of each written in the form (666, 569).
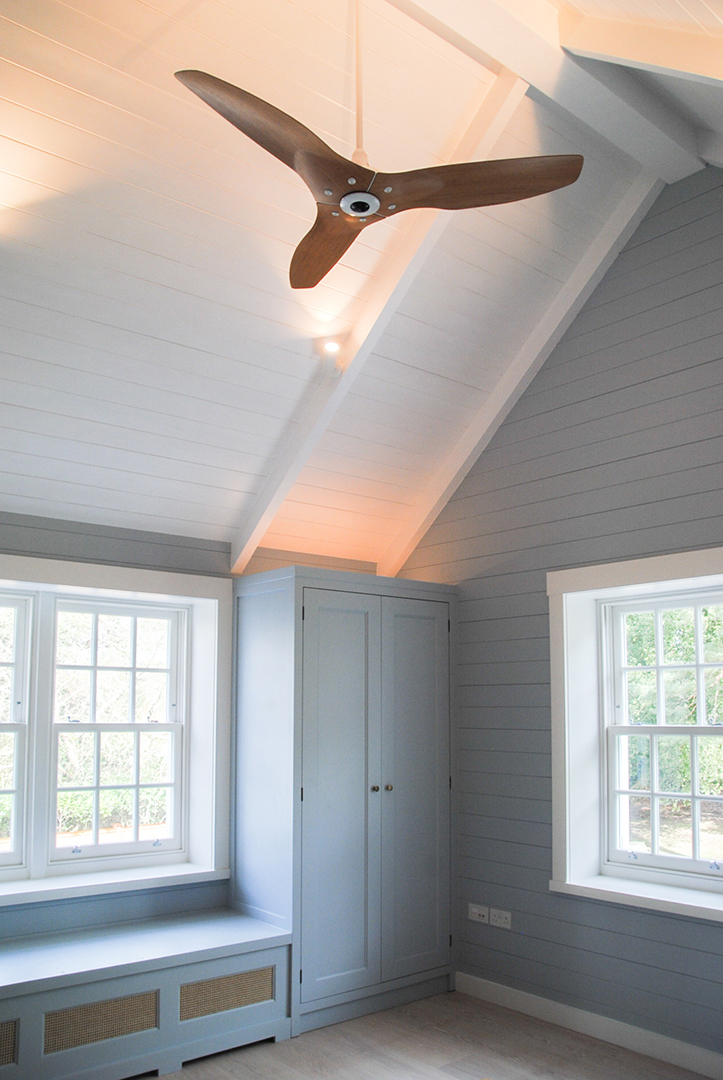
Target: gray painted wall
(51, 538)
(614, 451)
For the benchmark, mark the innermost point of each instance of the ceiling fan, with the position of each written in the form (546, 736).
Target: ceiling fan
(349, 195)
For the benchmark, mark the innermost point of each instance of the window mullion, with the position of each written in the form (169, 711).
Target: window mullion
(132, 699)
(137, 782)
(695, 791)
(654, 790)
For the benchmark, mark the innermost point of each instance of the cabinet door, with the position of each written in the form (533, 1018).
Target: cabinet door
(415, 765)
(341, 815)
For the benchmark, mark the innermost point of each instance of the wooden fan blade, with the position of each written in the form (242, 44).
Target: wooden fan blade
(322, 247)
(474, 183)
(320, 167)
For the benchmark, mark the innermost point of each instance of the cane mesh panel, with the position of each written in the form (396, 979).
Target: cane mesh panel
(227, 992)
(85, 1024)
(8, 1036)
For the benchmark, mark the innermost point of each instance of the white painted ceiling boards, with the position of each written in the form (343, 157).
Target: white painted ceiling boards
(159, 373)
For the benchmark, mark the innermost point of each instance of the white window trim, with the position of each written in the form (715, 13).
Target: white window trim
(579, 864)
(210, 601)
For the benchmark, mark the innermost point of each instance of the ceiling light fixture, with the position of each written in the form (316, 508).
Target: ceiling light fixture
(330, 352)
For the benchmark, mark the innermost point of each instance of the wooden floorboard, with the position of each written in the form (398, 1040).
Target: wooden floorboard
(449, 1037)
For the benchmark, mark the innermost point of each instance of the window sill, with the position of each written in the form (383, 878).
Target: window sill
(108, 881)
(673, 899)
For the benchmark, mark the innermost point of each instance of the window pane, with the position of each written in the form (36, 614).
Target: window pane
(710, 766)
(6, 695)
(7, 760)
(675, 825)
(113, 697)
(642, 697)
(75, 819)
(714, 696)
(155, 755)
(711, 830)
(154, 814)
(640, 638)
(713, 633)
(76, 759)
(634, 751)
(152, 643)
(114, 640)
(72, 696)
(634, 823)
(74, 633)
(117, 757)
(151, 697)
(674, 764)
(678, 636)
(680, 696)
(6, 823)
(115, 816)
(7, 634)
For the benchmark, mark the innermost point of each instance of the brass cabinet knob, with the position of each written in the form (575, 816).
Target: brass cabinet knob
(389, 787)
(375, 787)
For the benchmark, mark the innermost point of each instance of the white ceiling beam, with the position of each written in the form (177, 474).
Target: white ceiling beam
(524, 37)
(604, 249)
(697, 57)
(490, 120)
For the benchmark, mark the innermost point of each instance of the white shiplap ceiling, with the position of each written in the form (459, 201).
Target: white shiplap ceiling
(157, 370)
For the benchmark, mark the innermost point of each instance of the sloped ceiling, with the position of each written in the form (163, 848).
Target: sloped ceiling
(159, 373)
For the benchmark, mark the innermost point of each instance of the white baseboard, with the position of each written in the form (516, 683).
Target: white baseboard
(673, 1051)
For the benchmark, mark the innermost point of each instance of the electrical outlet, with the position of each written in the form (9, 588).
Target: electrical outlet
(478, 913)
(502, 919)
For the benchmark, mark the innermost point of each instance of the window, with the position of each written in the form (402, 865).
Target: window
(664, 717)
(113, 728)
(637, 707)
(117, 746)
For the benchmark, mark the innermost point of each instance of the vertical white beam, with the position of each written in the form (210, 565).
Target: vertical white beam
(528, 361)
(499, 104)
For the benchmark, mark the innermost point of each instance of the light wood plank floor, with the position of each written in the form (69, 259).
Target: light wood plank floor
(449, 1037)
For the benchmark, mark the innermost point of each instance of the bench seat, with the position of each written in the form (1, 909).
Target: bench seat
(108, 1003)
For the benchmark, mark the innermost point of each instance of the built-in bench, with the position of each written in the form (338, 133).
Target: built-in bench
(103, 1004)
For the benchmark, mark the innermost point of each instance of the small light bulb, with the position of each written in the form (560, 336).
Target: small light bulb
(331, 346)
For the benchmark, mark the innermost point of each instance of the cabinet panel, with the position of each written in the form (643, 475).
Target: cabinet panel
(341, 816)
(415, 813)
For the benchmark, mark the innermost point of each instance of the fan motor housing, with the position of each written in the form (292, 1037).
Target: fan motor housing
(359, 204)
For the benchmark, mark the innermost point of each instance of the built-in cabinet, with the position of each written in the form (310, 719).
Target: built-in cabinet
(343, 780)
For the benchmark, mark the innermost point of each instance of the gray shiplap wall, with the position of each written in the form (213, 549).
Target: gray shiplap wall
(77, 541)
(615, 451)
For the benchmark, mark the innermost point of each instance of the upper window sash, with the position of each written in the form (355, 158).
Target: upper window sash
(112, 650)
(674, 662)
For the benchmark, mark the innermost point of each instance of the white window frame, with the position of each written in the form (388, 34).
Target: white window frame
(207, 603)
(580, 855)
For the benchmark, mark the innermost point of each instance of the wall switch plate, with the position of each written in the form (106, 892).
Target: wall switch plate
(478, 913)
(502, 919)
